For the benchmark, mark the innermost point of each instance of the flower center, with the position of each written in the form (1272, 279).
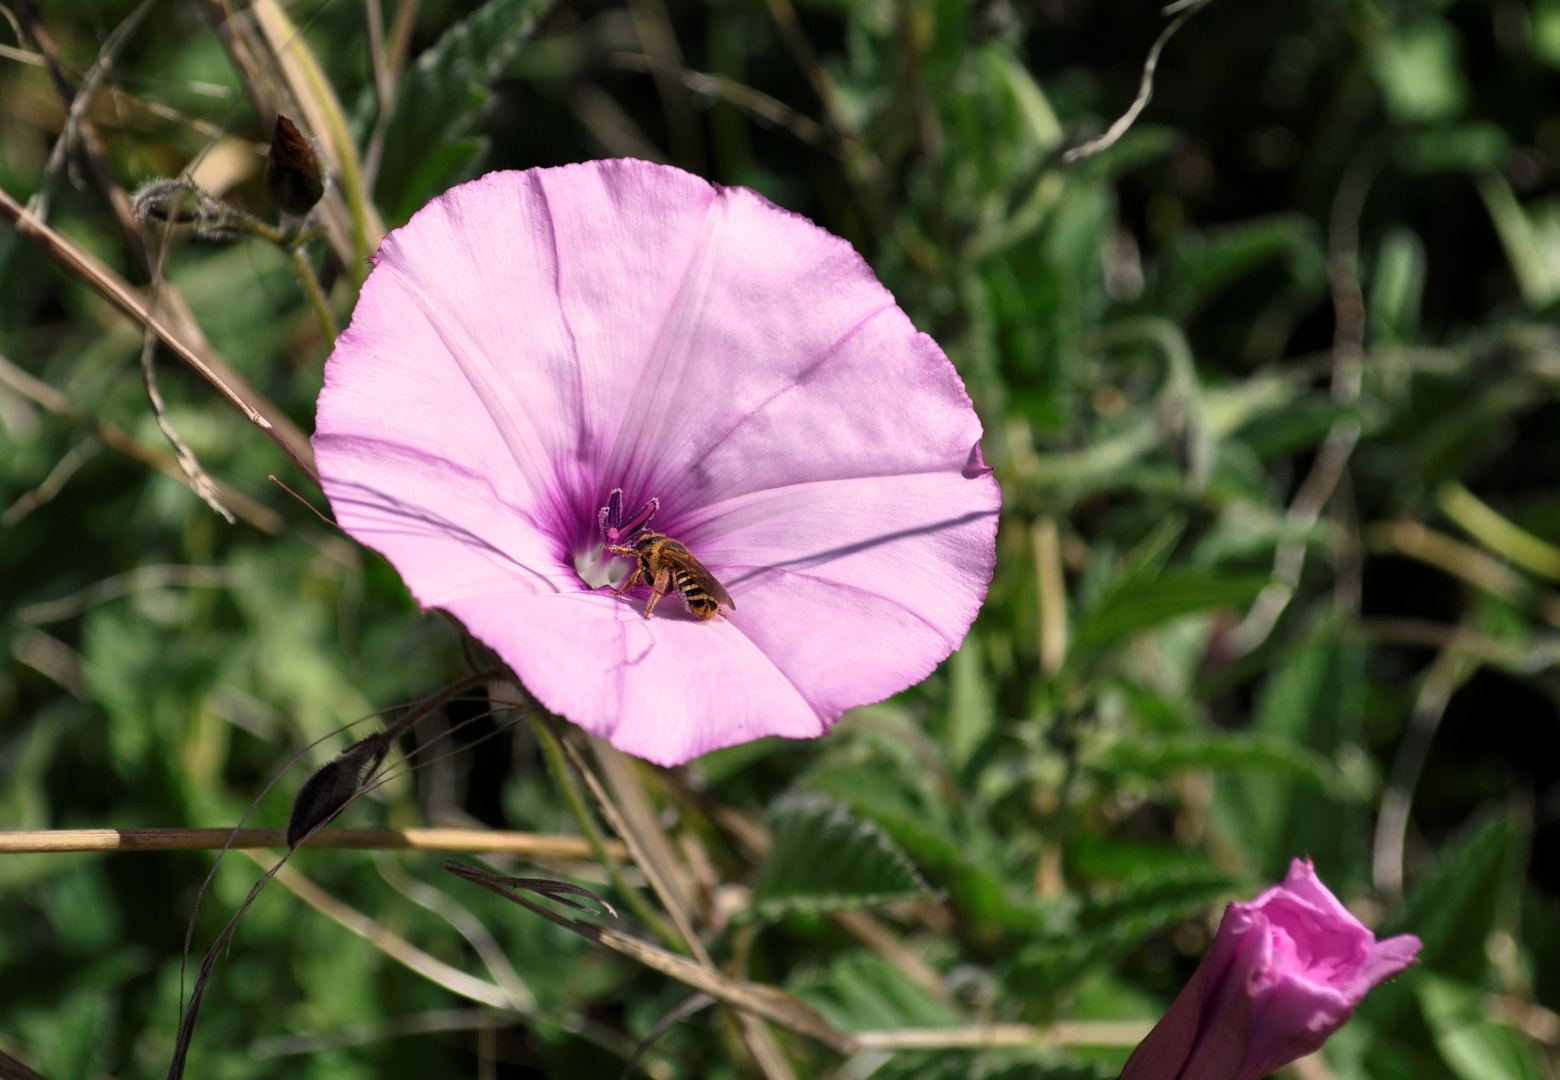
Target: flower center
(598, 566)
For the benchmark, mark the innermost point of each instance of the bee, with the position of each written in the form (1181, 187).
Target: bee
(665, 564)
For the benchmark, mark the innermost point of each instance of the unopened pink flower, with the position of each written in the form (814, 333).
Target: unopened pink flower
(530, 342)
(1285, 972)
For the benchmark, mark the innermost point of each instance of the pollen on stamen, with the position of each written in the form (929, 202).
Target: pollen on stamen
(595, 566)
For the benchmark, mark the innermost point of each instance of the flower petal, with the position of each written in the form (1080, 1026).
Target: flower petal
(531, 341)
(666, 689)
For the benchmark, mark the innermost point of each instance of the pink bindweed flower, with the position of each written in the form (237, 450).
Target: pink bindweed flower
(533, 342)
(1284, 973)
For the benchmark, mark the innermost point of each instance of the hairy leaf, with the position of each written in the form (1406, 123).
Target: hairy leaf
(827, 859)
(427, 145)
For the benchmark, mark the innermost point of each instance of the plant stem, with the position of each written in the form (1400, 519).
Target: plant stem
(576, 803)
(315, 294)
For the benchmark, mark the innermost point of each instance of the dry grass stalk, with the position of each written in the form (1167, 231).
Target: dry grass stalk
(541, 845)
(70, 256)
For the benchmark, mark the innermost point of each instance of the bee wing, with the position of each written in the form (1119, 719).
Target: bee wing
(683, 560)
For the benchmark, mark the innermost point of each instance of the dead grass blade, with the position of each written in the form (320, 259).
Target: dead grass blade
(475, 841)
(70, 256)
(387, 941)
(41, 393)
(769, 1002)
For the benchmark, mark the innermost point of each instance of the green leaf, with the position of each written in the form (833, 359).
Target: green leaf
(1312, 702)
(1530, 235)
(861, 991)
(1109, 928)
(1454, 910)
(826, 859)
(971, 710)
(1396, 288)
(1471, 147)
(1178, 592)
(1474, 1046)
(1220, 750)
(1200, 264)
(1417, 71)
(1544, 31)
(427, 144)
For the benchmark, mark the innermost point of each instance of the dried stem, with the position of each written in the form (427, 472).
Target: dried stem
(467, 925)
(1183, 10)
(70, 256)
(54, 483)
(636, 823)
(1347, 371)
(76, 108)
(524, 845)
(769, 1002)
(1053, 595)
(257, 514)
(570, 791)
(395, 60)
(388, 941)
(199, 480)
(1103, 1033)
(1435, 692)
(755, 102)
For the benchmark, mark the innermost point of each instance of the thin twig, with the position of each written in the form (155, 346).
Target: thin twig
(755, 102)
(401, 37)
(646, 841)
(690, 1005)
(1183, 10)
(1103, 1033)
(54, 483)
(1347, 371)
(559, 766)
(1436, 549)
(142, 577)
(77, 108)
(395, 60)
(524, 845)
(70, 256)
(684, 127)
(822, 82)
(1444, 675)
(199, 480)
(387, 941)
(467, 925)
(769, 1002)
(1529, 660)
(257, 514)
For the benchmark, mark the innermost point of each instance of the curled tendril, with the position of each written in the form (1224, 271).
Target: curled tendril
(183, 202)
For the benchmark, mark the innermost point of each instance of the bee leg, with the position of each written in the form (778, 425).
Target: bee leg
(659, 588)
(629, 582)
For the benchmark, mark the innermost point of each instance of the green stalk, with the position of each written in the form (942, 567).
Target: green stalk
(314, 294)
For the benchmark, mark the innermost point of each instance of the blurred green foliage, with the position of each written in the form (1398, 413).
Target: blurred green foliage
(1269, 383)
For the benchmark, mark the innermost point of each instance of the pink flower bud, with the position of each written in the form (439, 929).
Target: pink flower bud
(1284, 973)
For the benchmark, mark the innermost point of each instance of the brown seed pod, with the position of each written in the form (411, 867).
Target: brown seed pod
(294, 176)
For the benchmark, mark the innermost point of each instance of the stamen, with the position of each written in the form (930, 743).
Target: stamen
(610, 518)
